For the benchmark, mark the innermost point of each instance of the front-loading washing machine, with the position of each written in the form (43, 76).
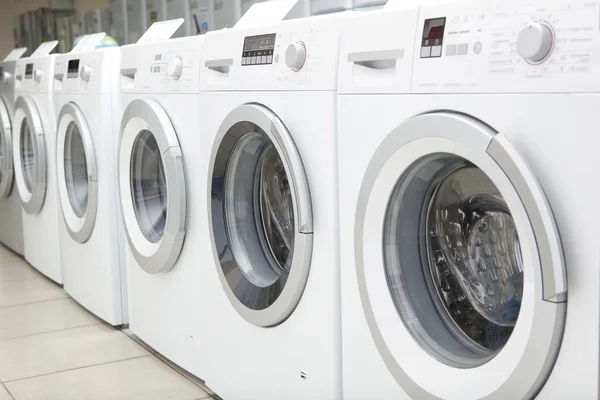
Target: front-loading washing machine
(86, 87)
(11, 214)
(160, 181)
(466, 209)
(34, 156)
(269, 96)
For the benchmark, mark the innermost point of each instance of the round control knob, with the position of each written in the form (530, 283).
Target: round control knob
(6, 76)
(535, 42)
(176, 68)
(295, 56)
(85, 73)
(37, 75)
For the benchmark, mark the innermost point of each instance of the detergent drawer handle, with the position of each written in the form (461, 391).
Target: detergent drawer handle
(379, 59)
(221, 65)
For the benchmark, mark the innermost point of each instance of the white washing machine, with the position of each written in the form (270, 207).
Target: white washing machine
(11, 214)
(118, 21)
(86, 87)
(465, 161)
(137, 22)
(34, 156)
(160, 182)
(269, 94)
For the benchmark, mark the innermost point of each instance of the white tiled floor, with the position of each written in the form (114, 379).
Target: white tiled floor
(53, 349)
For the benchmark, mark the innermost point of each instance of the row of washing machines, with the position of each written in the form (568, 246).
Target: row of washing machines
(388, 204)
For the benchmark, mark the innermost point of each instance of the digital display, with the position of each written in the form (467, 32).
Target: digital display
(258, 50)
(28, 71)
(433, 37)
(72, 68)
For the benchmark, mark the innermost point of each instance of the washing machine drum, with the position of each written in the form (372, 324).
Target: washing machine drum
(258, 194)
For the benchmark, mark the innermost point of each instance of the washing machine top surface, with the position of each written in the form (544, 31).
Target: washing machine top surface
(298, 54)
(472, 47)
(169, 66)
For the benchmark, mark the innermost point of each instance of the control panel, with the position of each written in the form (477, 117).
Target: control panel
(299, 54)
(87, 72)
(34, 74)
(168, 66)
(533, 46)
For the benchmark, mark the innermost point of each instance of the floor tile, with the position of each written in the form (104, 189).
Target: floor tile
(63, 350)
(139, 341)
(17, 271)
(47, 316)
(30, 290)
(4, 394)
(145, 378)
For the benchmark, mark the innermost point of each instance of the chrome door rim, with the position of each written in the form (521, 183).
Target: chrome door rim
(80, 228)
(289, 297)
(546, 307)
(161, 256)
(26, 112)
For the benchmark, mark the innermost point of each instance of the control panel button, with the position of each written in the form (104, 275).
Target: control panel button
(535, 42)
(477, 47)
(436, 51)
(295, 56)
(462, 49)
(451, 50)
(37, 75)
(85, 73)
(176, 68)
(426, 52)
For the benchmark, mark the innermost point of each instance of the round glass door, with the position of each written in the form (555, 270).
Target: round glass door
(76, 165)
(28, 157)
(29, 148)
(259, 191)
(471, 259)
(149, 186)
(76, 173)
(152, 186)
(6, 158)
(467, 282)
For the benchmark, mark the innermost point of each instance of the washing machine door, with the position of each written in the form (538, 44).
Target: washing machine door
(152, 186)
(261, 214)
(77, 173)
(29, 150)
(459, 262)
(6, 158)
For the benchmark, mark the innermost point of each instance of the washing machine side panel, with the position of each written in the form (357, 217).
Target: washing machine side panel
(294, 346)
